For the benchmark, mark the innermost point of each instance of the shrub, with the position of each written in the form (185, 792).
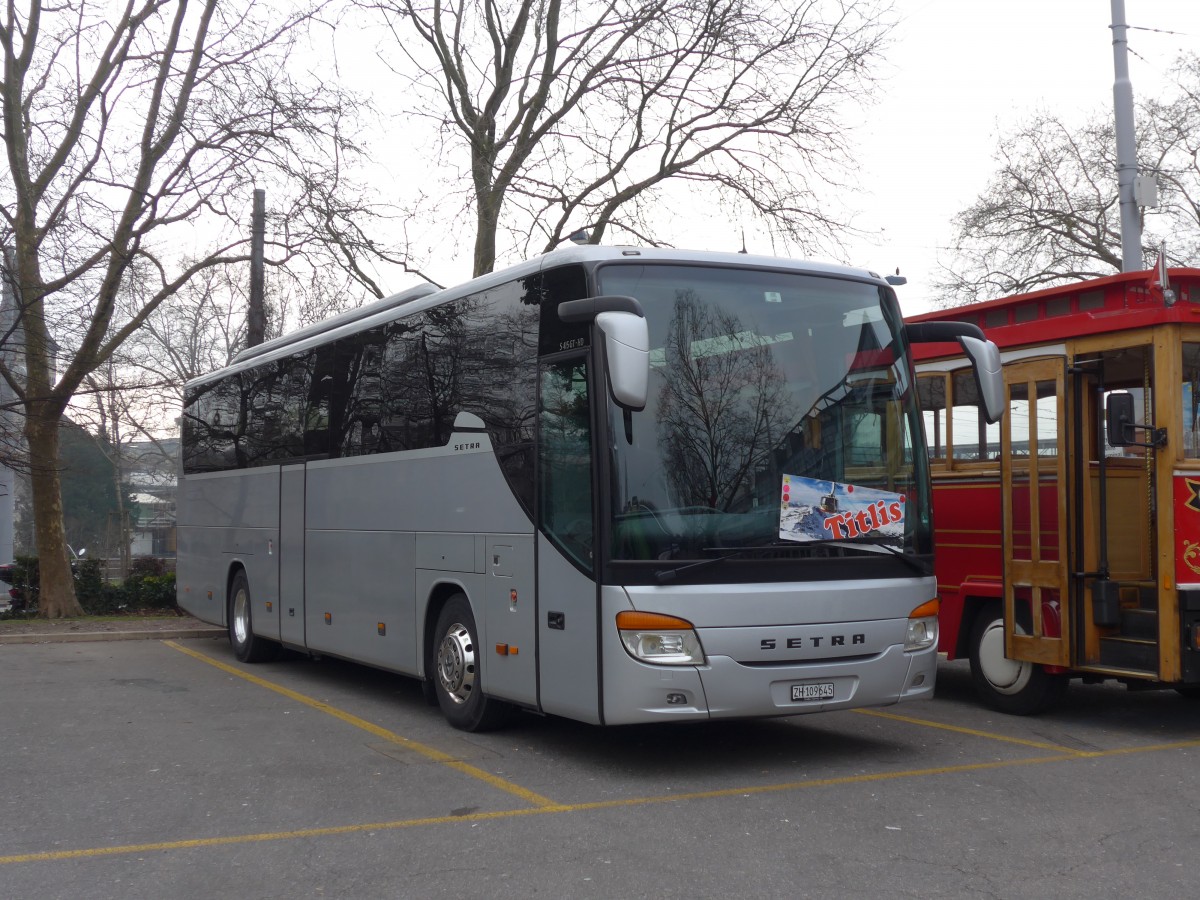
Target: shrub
(90, 587)
(25, 579)
(149, 586)
(150, 591)
(147, 566)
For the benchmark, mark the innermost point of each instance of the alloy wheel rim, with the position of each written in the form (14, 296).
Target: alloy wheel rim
(456, 663)
(241, 621)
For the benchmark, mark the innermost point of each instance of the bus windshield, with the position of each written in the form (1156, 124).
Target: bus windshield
(781, 414)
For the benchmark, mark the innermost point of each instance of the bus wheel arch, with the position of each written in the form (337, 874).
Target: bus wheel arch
(439, 596)
(247, 646)
(453, 668)
(1019, 688)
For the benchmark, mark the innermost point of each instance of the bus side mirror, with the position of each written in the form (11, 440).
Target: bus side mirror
(626, 344)
(627, 357)
(984, 356)
(985, 360)
(1119, 419)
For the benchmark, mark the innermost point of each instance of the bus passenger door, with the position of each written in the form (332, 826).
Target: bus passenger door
(291, 555)
(1034, 487)
(567, 616)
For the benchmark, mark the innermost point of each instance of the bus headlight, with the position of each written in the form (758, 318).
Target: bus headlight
(922, 627)
(659, 639)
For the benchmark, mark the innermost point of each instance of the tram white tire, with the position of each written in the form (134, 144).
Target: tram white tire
(1018, 688)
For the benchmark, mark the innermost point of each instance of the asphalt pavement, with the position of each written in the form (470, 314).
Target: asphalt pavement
(155, 768)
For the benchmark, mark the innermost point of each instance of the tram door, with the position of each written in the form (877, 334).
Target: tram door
(1120, 617)
(1033, 477)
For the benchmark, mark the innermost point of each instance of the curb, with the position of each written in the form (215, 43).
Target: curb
(68, 637)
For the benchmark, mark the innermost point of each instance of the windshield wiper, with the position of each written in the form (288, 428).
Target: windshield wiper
(665, 575)
(910, 560)
(917, 565)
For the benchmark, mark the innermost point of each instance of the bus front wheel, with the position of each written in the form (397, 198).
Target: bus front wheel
(456, 675)
(1011, 686)
(247, 646)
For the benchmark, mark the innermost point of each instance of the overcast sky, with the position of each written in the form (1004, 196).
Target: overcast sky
(957, 75)
(965, 70)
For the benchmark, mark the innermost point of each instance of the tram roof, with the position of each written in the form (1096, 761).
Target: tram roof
(1113, 303)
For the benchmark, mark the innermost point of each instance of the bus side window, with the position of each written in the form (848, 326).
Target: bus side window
(565, 498)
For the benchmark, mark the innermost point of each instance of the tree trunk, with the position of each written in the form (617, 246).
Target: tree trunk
(487, 222)
(57, 598)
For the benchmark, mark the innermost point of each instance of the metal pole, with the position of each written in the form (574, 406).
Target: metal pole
(1131, 225)
(256, 318)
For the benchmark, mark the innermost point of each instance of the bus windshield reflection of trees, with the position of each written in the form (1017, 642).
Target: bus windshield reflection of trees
(753, 376)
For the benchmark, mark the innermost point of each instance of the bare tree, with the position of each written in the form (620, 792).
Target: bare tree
(1172, 142)
(195, 331)
(129, 131)
(111, 414)
(1050, 213)
(577, 115)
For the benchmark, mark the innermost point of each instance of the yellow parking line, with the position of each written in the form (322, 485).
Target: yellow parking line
(350, 719)
(1145, 748)
(971, 731)
(268, 836)
(580, 807)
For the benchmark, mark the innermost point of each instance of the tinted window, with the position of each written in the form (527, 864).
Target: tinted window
(566, 460)
(247, 419)
(557, 286)
(389, 388)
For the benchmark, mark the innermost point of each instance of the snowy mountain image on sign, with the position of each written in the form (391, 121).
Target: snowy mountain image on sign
(814, 510)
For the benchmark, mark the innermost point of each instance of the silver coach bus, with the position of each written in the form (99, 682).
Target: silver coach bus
(618, 485)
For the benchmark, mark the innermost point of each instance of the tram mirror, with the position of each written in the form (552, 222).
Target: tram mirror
(627, 357)
(1118, 417)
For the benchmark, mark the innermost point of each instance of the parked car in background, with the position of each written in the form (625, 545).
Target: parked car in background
(10, 597)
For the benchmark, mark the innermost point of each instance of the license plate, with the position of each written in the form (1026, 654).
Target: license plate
(821, 691)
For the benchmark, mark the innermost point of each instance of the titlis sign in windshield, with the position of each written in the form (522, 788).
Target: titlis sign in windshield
(813, 510)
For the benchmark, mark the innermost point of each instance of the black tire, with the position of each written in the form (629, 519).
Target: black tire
(1190, 691)
(456, 671)
(247, 646)
(1017, 688)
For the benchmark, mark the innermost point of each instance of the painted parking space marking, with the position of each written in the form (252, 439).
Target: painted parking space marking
(974, 732)
(540, 805)
(91, 853)
(425, 750)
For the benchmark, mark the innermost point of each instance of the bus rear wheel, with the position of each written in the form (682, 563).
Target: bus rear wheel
(247, 646)
(456, 671)
(1011, 686)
